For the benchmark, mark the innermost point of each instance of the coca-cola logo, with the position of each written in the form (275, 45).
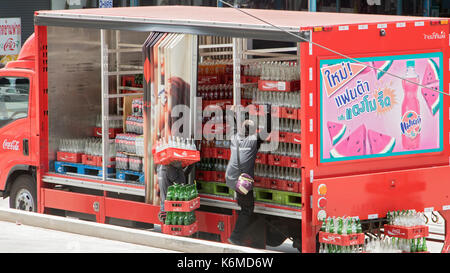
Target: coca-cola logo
(331, 238)
(11, 145)
(9, 45)
(435, 36)
(395, 232)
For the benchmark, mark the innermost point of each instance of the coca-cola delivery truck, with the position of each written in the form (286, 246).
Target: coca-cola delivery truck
(359, 145)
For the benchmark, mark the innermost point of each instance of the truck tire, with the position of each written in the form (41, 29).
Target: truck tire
(23, 193)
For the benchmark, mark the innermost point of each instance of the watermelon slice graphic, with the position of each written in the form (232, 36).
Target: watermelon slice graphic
(336, 130)
(380, 143)
(431, 80)
(353, 145)
(382, 67)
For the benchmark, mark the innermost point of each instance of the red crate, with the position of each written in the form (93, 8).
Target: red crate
(208, 79)
(112, 132)
(168, 155)
(261, 158)
(249, 79)
(261, 182)
(204, 175)
(246, 102)
(341, 239)
(222, 153)
(277, 184)
(292, 186)
(219, 176)
(275, 160)
(182, 206)
(69, 157)
(282, 86)
(406, 232)
(257, 111)
(89, 159)
(292, 162)
(294, 138)
(290, 113)
(180, 230)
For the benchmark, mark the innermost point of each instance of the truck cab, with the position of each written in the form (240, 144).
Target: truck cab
(17, 112)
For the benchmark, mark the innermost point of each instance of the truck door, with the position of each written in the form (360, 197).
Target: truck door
(14, 123)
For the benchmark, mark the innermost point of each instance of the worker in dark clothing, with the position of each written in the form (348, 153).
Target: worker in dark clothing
(249, 143)
(167, 176)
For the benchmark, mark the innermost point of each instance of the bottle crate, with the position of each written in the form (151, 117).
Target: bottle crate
(406, 232)
(341, 239)
(282, 86)
(68, 157)
(168, 155)
(182, 206)
(180, 230)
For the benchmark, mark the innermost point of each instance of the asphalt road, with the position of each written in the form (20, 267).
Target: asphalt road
(18, 238)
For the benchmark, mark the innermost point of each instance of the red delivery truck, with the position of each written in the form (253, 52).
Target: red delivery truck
(360, 104)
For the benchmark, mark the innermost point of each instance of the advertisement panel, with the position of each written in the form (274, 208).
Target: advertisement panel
(383, 112)
(10, 36)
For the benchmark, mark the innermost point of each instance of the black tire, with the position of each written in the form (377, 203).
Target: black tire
(23, 193)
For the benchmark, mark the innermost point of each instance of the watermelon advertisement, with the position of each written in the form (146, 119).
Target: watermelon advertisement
(393, 110)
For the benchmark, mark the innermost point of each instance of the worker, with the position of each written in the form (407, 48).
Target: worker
(167, 176)
(249, 143)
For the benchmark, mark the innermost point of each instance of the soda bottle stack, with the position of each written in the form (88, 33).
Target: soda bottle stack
(280, 71)
(181, 192)
(176, 142)
(180, 218)
(341, 226)
(406, 218)
(395, 245)
(409, 219)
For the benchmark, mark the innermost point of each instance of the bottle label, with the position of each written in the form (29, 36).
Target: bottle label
(411, 124)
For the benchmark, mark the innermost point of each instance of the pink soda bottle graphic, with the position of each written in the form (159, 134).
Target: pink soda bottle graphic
(411, 120)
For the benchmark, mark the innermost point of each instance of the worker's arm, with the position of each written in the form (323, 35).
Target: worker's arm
(268, 110)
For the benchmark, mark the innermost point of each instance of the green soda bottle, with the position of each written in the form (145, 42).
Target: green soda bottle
(358, 226)
(186, 220)
(187, 193)
(324, 226)
(168, 218)
(169, 195)
(174, 218)
(349, 226)
(412, 246)
(331, 226)
(340, 225)
(181, 192)
(192, 217)
(176, 191)
(424, 245)
(180, 219)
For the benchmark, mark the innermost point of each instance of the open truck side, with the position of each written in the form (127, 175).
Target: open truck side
(70, 85)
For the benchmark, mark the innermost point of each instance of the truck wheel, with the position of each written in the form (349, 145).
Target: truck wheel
(23, 194)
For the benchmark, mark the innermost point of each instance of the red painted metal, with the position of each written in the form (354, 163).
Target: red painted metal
(446, 215)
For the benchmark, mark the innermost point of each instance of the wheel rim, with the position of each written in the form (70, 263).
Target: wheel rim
(24, 200)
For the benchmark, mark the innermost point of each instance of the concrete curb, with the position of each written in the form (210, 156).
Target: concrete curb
(123, 234)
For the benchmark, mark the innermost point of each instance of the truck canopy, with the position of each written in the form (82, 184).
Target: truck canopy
(208, 21)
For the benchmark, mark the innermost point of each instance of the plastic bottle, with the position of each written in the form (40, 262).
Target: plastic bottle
(410, 108)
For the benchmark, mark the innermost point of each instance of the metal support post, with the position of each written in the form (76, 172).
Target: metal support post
(105, 103)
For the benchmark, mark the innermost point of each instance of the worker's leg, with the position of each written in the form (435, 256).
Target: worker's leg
(164, 184)
(247, 204)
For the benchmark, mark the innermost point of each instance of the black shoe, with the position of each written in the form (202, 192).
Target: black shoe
(162, 216)
(235, 242)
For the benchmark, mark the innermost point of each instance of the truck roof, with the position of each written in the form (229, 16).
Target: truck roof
(206, 20)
